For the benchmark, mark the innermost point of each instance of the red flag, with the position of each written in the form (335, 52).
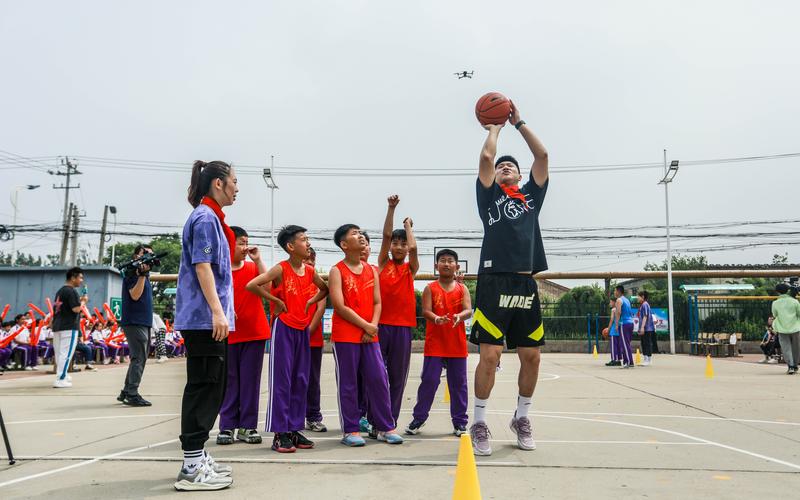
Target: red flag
(49, 305)
(5, 311)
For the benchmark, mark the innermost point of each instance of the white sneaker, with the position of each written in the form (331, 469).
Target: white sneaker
(646, 361)
(216, 468)
(161, 359)
(61, 384)
(28, 368)
(204, 478)
(772, 361)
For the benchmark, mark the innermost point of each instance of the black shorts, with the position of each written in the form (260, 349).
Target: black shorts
(507, 310)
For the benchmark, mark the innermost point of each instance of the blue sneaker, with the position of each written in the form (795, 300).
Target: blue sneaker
(353, 440)
(390, 437)
(363, 424)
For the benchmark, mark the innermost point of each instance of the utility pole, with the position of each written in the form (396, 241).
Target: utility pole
(102, 237)
(73, 257)
(71, 169)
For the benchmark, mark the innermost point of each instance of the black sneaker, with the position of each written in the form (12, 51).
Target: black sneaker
(282, 443)
(613, 363)
(458, 430)
(122, 396)
(301, 442)
(373, 432)
(136, 401)
(413, 428)
(225, 437)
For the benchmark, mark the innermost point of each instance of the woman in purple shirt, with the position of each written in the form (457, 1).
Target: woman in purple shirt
(204, 315)
(647, 330)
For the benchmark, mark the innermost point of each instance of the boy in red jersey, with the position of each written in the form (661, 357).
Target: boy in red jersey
(300, 288)
(313, 413)
(245, 348)
(445, 306)
(399, 306)
(356, 299)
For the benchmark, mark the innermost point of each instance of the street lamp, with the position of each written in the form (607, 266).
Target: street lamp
(270, 181)
(14, 203)
(670, 171)
(113, 211)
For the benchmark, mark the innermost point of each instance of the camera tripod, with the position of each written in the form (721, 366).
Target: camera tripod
(11, 460)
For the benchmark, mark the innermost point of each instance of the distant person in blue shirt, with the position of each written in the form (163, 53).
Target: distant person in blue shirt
(136, 322)
(624, 322)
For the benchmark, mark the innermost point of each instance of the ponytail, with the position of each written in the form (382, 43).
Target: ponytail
(202, 175)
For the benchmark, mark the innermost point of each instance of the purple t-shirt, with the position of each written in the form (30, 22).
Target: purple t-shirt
(646, 315)
(203, 241)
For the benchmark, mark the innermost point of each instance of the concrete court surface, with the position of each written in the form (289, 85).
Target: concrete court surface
(663, 431)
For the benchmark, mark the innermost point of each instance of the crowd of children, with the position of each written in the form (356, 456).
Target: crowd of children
(374, 317)
(26, 343)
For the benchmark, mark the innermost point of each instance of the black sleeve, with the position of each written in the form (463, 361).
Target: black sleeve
(537, 193)
(484, 195)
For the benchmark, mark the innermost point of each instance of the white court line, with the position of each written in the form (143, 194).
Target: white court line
(335, 413)
(722, 419)
(686, 436)
(266, 460)
(538, 441)
(81, 419)
(81, 464)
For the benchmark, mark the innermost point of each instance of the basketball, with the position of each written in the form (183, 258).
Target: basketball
(605, 333)
(493, 109)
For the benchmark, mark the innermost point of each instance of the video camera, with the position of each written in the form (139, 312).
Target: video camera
(148, 259)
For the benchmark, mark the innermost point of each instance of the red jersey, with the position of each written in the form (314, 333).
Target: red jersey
(397, 295)
(251, 321)
(444, 340)
(358, 291)
(295, 291)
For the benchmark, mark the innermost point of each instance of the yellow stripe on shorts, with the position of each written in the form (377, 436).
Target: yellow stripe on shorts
(538, 333)
(488, 325)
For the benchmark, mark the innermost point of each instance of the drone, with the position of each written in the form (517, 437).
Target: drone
(464, 74)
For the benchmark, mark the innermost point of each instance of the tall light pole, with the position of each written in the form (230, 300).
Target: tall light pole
(270, 181)
(15, 203)
(669, 174)
(113, 211)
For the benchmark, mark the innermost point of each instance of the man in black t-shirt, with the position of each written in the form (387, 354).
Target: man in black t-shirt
(66, 325)
(507, 309)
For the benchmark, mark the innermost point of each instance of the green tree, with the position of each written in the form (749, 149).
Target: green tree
(679, 263)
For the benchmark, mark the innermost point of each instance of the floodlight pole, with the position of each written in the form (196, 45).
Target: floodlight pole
(670, 310)
(269, 179)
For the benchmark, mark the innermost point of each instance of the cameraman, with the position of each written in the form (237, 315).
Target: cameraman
(136, 322)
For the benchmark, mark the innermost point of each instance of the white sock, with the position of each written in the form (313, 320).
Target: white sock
(523, 405)
(192, 459)
(480, 410)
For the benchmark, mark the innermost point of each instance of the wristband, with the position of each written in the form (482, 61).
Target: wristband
(519, 124)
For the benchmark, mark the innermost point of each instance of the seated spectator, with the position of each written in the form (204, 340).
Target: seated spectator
(5, 351)
(769, 343)
(23, 344)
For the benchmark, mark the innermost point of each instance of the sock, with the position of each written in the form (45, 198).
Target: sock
(192, 459)
(480, 410)
(523, 405)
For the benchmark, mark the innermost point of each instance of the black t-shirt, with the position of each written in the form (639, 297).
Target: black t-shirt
(137, 312)
(512, 240)
(63, 317)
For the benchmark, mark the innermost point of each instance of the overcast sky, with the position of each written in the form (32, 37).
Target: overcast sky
(361, 84)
